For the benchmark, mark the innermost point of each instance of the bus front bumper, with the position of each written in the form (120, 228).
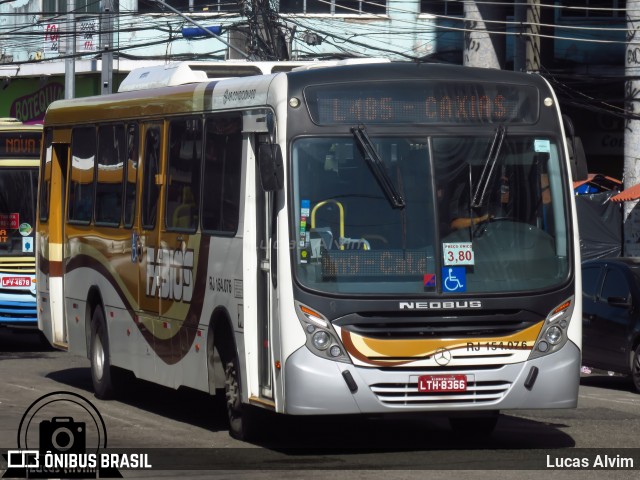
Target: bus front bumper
(18, 310)
(315, 386)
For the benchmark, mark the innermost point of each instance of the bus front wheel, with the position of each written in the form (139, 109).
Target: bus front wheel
(242, 417)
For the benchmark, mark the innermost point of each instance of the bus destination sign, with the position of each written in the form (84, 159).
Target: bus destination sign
(20, 144)
(369, 263)
(430, 102)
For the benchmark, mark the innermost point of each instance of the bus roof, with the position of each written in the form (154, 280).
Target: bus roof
(10, 123)
(196, 97)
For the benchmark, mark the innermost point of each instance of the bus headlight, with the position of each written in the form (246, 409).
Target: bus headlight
(554, 331)
(335, 351)
(322, 339)
(553, 335)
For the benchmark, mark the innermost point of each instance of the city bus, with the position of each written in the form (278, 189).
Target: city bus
(371, 238)
(19, 162)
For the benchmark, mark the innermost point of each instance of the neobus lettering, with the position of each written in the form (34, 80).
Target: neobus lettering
(170, 274)
(440, 305)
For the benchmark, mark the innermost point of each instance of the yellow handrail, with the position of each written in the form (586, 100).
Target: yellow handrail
(341, 210)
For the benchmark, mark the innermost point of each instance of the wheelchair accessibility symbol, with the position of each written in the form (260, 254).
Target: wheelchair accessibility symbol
(454, 279)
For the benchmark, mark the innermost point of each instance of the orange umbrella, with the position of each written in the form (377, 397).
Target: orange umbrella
(631, 193)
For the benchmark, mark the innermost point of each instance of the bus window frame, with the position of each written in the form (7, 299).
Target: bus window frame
(213, 119)
(132, 132)
(159, 127)
(44, 208)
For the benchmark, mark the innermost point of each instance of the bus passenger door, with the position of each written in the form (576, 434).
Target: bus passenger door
(263, 230)
(266, 233)
(260, 292)
(146, 240)
(52, 317)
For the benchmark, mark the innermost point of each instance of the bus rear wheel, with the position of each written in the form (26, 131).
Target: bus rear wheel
(101, 371)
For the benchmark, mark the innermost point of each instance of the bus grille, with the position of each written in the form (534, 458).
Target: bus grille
(423, 326)
(20, 265)
(18, 312)
(407, 394)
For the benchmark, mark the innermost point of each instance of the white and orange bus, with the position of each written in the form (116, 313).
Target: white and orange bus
(348, 239)
(19, 161)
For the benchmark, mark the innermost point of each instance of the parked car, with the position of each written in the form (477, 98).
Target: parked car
(611, 315)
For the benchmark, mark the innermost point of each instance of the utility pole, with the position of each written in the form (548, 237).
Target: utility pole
(70, 61)
(484, 38)
(527, 44)
(631, 175)
(106, 46)
(263, 34)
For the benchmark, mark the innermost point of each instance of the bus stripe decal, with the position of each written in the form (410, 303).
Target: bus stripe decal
(395, 352)
(203, 95)
(170, 350)
(43, 264)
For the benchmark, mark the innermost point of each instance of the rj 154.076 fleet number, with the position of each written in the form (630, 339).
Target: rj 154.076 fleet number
(496, 345)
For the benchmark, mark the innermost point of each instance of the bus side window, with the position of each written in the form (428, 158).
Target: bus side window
(111, 156)
(45, 181)
(222, 169)
(183, 174)
(131, 175)
(81, 188)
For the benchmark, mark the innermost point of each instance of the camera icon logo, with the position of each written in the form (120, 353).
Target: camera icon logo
(63, 435)
(60, 446)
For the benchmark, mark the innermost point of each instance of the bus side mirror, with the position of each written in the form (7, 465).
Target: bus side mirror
(271, 167)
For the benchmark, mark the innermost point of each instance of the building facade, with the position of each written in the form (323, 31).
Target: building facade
(582, 45)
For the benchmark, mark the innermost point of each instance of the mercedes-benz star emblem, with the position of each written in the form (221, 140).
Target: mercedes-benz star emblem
(442, 356)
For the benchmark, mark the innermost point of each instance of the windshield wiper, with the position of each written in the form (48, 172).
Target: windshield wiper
(480, 196)
(376, 165)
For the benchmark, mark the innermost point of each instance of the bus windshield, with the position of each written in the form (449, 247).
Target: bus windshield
(476, 217)
(17, 210)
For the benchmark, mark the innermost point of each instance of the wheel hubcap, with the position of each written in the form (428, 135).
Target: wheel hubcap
(98, 358)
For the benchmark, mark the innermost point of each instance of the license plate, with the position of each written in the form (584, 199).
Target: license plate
(16, 282)
(442, 383)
